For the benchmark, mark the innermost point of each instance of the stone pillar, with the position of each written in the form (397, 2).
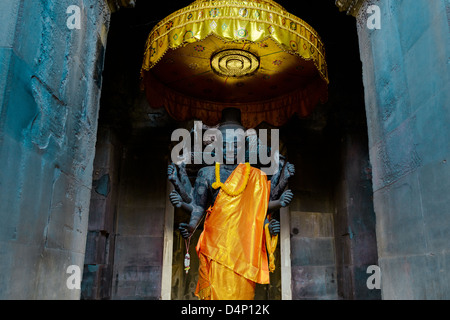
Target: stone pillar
(99, 259)
(313, 256)
(139, 241)
(354, 223)
(50, 83)
(406, 78)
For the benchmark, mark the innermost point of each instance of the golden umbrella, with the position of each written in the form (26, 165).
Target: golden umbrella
(251, 55)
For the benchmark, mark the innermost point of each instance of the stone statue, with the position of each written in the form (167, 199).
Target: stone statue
(232, 244)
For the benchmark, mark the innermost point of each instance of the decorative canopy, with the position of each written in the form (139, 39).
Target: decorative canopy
(251, 55)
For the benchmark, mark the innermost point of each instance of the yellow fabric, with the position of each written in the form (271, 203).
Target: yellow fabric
(271, 244)
(235, 21)
(217, 282)
(218, 184)
(231, 247)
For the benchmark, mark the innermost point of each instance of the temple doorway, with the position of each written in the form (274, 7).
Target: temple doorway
(133, 225)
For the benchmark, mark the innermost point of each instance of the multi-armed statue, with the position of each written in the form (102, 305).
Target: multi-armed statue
(237, 200)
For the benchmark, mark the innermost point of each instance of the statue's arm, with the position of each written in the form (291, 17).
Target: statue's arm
(287, 172)
(284, 201)
(200, 201)
(172, 173)
(276, 177)
(186, 183)
(178, 202)
(274, 226)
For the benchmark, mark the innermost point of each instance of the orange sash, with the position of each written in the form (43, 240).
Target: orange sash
(233, 234)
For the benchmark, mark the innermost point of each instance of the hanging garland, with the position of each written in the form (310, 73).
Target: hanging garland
(271, 245)
(225, 189)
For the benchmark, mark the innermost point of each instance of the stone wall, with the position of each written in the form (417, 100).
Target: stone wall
(50, 83)
(354, 222)
(313, 262)
(99, 259)
(141, 208)
(406, 79)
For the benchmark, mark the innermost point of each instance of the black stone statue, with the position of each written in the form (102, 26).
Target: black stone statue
(196, 199)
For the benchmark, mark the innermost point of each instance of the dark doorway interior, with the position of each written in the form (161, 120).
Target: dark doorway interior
(332, 215)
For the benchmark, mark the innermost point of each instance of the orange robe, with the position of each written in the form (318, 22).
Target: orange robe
(231, 248)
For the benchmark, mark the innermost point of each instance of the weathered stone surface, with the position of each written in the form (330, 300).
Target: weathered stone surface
(141, 205)
(311, 224)
(433, 179)
(97, 248)
(141, 220)
(407, 106)
(48, 124)
(395, 156)
(138, 250)
(137, 282)
(9, 10)
(96, 282)
(314, 283)
(312, 251)
(400, 225)
(354, 227)
(100, 244)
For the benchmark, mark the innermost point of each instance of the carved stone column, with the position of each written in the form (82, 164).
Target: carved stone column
(406, 97)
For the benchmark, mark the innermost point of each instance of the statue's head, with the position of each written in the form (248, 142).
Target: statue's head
(233, 135)
(243, 145)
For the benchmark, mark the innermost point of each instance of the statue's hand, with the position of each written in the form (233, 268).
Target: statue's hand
(286, 198)
(175, 199)
(172, 172)
(186, 230)
(289, 171)
(274, 227)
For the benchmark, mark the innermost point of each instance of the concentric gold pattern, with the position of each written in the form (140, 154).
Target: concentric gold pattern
(234, 63)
